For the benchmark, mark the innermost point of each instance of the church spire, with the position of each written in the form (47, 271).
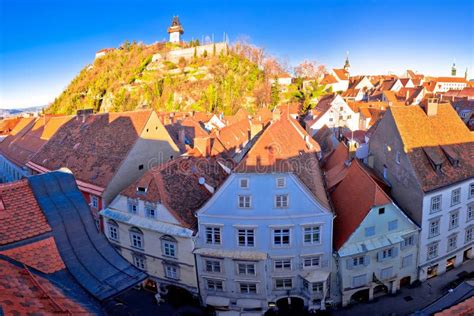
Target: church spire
(465, 74)
(453, 69)
(347, 65)
(175, 30)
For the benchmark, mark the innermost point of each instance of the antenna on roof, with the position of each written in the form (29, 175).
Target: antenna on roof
(202, 180)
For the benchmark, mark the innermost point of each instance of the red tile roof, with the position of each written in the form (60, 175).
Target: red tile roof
(263, 115)
(465, 308)
(353, 197)
(21, 147)
(342, 74)
(93, 149)
(286, 147)
(23, 293)
(21, 216)
(451, 79)
(329, 79)
(41, 255)
(231, 138)
(8, 124)
(190, 129)
(439, 133)
(176, 186)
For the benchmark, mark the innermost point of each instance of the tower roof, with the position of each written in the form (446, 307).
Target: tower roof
(176, 26)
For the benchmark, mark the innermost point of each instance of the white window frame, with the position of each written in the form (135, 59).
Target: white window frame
(132, 206)
(470, 213)
(148, 211)
(241, 181)
(95, 201)
(456, 196)
(244, 201)
(248, 267)
(280, 182)
(250, 288)
(282, 201)
(139, 262)
(452, 242)
(169, 248)
(432, 250)
(248, 235)
(217, 285)
(286, 283)
(454, 219)
(137, 239)
(113, 230)
(436, 201)
(434, 231)
(286, 264)
(358, 261)
(216, 237)
(212, 266)
(311, 232)
(312, 261)
(471, 190)
(281, 233)
(469, 236)
(171, 271)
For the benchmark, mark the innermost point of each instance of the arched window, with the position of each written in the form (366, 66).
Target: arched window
(136, 238)
(113, 230)
(169, 246)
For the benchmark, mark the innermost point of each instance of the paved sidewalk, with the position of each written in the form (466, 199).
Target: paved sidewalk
(423, 295)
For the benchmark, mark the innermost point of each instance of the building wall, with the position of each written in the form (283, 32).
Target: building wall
(188, 53)
(153, 252)
(372, 264)
(446, 230)
(222, 211)
(331, 117)
(10, 172)
(446, 86)
(154, 147)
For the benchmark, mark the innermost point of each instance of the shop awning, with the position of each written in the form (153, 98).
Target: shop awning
(249, 303)
(217, 301)
(316, 276)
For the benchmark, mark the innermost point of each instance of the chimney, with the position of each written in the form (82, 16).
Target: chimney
(84, 114)
(181, 136)
(351, 148)
(276, 114)
(407, 95)
(432, 107)
(203, 144)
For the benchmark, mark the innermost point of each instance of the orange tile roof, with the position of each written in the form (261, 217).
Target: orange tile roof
(353, 197)
(20, 214)
(342, 74)
(8, 124)
(19, 148)
(329, 79)
(286, 147)
(263, 115)
(23, 293)
(41, 255)
(390, 96)
(465, 308)
(93, 149)
(231, 138)
(176, 186)
(451, 79)
(443, 131)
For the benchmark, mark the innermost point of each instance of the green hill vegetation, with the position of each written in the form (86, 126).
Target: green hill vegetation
(129, 78)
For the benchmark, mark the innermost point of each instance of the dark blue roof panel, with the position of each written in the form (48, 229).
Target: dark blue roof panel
(86, 252)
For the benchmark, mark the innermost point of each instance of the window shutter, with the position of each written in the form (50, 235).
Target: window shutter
(366, 260)
(394, 252)
(349, 264)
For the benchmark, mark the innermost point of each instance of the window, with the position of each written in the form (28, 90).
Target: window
(171, 271)
(136, 238)
(318, 287)
(169, 248)
(456, 196)
(386, 273)
(139, 262)
(453, 220)
(283, 284)
(248, 288)
(408, 241)
(312, 261)
(282, 264)
(244, 183)
(140, 167)
(281, 237)
(387, 254)
(469, 233)
(150, 211)
(280, 182)
(246, 237)
(406, 261)
(470, 213)
(95, 201)
(246, 268)
(433, 228)
(281, 200)
(244, 201)
(213, 235)
(381, 210)
(452, 240)
(132, 206)
(359, 280)
(113, 230)
(312, 235)
(392, 225)
(369, 231)
(214, 285)
(471, 190)
(435, 204)
(397, 159)
(358, 261)
(432, 251)
(213, 266)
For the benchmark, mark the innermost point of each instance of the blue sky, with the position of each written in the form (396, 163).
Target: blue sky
(44, 44)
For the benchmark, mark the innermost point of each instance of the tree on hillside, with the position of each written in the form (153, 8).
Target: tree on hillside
(310, 70)
(275, 94)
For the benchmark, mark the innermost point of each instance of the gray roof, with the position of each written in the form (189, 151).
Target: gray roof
(87, 254)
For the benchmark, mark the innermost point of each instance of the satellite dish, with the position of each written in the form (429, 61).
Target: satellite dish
(202, 180)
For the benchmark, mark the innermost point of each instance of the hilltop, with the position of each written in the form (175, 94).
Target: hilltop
(170, 77)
